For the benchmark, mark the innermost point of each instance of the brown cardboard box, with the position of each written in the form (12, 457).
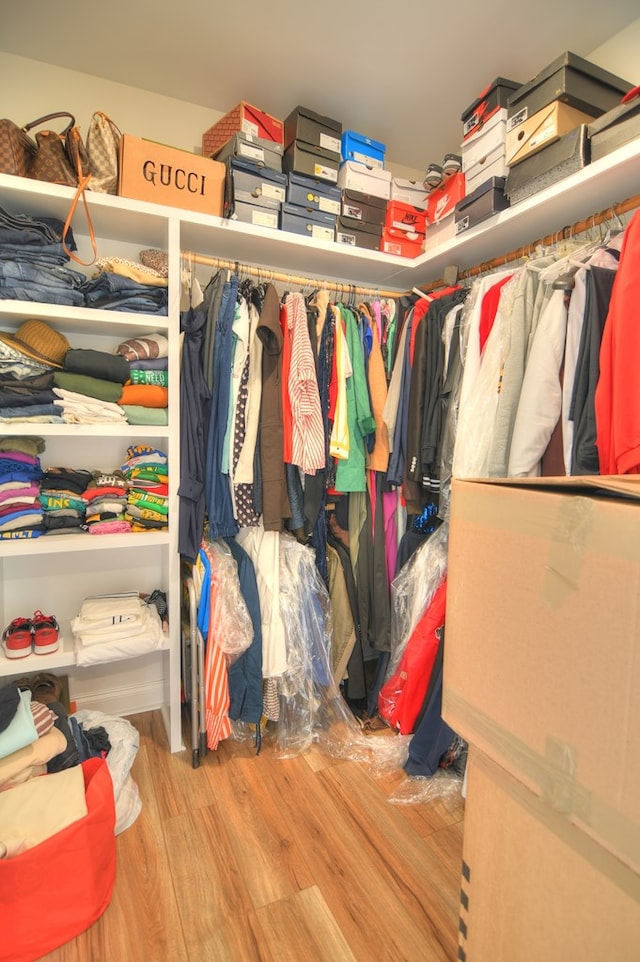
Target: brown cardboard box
(166, 175)
(530, 135)
(533, 888)
(542, 651)
(246, 119)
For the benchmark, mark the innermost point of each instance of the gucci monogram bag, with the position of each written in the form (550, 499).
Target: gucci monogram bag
(103, 138)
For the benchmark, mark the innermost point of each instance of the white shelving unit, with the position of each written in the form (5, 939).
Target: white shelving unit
(55, 574)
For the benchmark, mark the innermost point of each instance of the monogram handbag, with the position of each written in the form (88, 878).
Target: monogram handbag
(17, 149)
(60, 158)
(103, 139)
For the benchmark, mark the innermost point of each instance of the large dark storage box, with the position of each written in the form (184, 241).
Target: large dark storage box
(257, 150)
(312, 193)
(548, 166)
(486, 200)
(492, 98)
(312, 128)
(574, 81)
(358, 233)
(615, 128)
(312, 161)
(250, 184)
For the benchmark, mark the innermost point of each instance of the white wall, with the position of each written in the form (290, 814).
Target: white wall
(621, 53)
(38, 88)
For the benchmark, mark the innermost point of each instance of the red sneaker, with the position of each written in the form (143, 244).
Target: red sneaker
(46, 633)
(17, 638)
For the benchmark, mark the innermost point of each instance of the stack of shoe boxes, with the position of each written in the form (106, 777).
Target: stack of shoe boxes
(255, 185)
(548, 118)
(311, 160)
(404, 229)
(366, 187)
(484, 162)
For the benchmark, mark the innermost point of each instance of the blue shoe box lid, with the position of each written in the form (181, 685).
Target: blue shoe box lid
(363, 150)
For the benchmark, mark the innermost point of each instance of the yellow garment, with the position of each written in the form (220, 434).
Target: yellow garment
(137, 272)
(339, 440)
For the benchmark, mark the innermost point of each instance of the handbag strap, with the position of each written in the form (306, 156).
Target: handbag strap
(107, 118)
(80, 193)
(43, 120)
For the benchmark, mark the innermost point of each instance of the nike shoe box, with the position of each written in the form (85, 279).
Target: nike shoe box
(311, 161)
(358, 233)
(263, 153)
(248, 120)
(307, 223)
(443, 199)
(550, 165)
(489, 101)
(362, 149)
(404, 217)
(313, 194)
(401, 243)
(574, 81)
(485, 201)
(615, 128)
(366, 208)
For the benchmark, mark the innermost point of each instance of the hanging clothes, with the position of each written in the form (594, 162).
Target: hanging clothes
(195, 402)
(275, 501)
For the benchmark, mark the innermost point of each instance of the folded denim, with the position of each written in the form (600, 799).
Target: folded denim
(45, 274)
(42, 229)
(33, 253)
(67, 297)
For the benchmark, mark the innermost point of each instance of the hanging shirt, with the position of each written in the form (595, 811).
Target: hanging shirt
(307, 434)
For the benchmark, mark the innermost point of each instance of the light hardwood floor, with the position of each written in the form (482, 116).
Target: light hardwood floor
(263, 859)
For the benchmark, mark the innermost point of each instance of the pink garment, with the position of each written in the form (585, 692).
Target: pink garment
(216, 678)
(307, 429)
(110, 527)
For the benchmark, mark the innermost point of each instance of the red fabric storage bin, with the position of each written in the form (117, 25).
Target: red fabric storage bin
(58, 888)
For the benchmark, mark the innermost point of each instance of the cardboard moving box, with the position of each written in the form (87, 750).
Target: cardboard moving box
(166, 175)
(542, 650)
(533, 888)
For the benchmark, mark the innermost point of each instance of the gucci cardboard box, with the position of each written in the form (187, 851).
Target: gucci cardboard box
(166, 175)
(246, 119)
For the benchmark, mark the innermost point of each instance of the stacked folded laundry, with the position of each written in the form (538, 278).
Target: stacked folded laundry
(145, 397)
(113, 626)
(28, 359)
(123, 285)
(105, 498)
(63, 507)
(20, 475)
(147, 474)
(89, 387)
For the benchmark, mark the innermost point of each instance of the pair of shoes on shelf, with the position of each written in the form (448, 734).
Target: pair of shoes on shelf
(437, 173)
(44, 687)
(39, 634)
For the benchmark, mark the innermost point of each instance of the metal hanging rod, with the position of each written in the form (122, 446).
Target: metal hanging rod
(264, 273)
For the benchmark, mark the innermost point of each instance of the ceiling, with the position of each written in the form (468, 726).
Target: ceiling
(400, 72)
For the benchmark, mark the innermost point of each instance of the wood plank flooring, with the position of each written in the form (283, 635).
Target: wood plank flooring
(262, 859)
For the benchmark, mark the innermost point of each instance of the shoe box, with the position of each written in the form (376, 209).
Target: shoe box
(443, 199)
(358, 233)
(366, 208)
(483, 153)
(313, 194)
(264, 153)
(574, 81)
(489, 101)
(311, 161)
(306, 222)
(253, 194)
(402, 243)
(541, 129)
(485, 201)
(405, 217)
(409, 192)
(617, 127)
(246, 119)
(550, 165)
(362, 149)
(366, 180)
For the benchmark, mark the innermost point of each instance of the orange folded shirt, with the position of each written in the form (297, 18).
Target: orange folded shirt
(146, 395)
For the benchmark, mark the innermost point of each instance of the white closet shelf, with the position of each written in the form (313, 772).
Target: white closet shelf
(72, 543)
(575, 197)
(83, 320)
(80, 431)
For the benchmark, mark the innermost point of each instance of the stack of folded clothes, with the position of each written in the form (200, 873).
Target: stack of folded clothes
(32, 261)
(90, 385)
(63, 506)
(147, 475)
(115, 626)
(28, 359)
(106, 503)
(145, 397)
(20, 476)
(123, 285)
